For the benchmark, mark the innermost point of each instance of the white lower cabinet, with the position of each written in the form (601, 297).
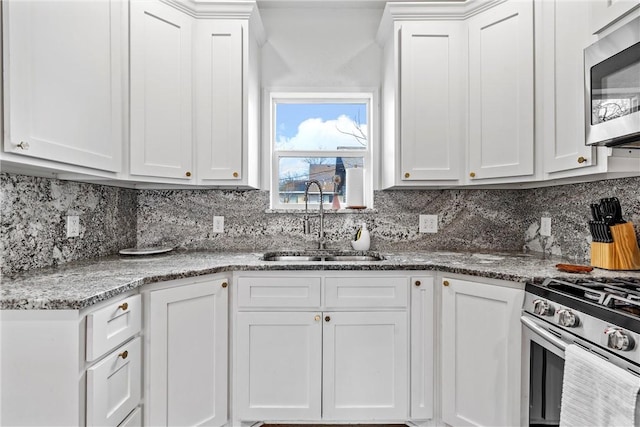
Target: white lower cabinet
(186, 353)
(341, 354)
(279, 360)
(48, 379)
(480, 352)
(114, 385)
(365, 370)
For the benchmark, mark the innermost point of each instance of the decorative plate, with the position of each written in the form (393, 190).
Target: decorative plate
(145, 251)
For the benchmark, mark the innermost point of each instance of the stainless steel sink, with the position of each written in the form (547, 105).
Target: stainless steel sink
(322, 256)
(272, 257)
(354, 258)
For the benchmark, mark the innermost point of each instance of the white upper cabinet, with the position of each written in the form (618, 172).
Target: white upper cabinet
(563, 85)
(501, 89)
(227, 93)
(195, 93)
(603, 13)
(161, 91)
(423, 122)
(63, 82)
(432, 64)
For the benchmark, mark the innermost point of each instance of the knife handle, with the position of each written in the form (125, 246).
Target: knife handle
(595, 211)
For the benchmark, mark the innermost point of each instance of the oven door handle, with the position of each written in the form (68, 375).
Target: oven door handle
(543, 333)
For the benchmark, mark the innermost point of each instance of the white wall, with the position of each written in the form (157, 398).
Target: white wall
(321, 48)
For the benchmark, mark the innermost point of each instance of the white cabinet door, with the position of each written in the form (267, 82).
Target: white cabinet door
(114, 385)
(481, 348)
(63, 81)
(501, 103)
(422, 348)
(432, 91)
(187, 342)
(220, 72)
(565, 36)
(161, 135)
(606, 12)
(365, 375)
(279, 365)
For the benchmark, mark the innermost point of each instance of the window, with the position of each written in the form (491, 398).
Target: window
(319, 137)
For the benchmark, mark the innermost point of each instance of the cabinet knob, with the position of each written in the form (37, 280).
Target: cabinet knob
(236, 174)
(317, 318)
(124, 354)
(472, 174)
(445, 282)
(407, 175)
(327, 318)
(418, 283)
(188, 174)
(582, 159)
(124, 306)
(24, 145)
(225, 284)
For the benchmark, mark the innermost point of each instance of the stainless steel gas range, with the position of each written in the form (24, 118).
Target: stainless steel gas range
(601, 316)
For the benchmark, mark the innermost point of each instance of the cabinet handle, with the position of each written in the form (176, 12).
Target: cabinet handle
(418, 283)
(327, 318)
(124, 306)
(445, 282)
(472, 174)
(188, 174)
(124, 354)
(317, 318)
(23, 145)
(582, 160)
(407, 175)
(235, 174)
(225, 284)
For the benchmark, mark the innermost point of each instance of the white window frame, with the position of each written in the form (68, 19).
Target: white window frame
(360, 96)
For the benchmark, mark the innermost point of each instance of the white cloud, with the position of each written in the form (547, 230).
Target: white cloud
(317, 134)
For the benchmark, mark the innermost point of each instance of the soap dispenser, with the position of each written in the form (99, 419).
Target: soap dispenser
(363, 239)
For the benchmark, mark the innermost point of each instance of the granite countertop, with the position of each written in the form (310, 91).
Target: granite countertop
(80, 284)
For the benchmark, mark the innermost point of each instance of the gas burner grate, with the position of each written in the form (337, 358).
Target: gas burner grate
(623, 294)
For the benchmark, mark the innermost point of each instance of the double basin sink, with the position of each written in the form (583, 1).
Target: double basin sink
(320, 255)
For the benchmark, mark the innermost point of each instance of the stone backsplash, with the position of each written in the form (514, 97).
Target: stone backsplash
(34, 209)
(33, 214)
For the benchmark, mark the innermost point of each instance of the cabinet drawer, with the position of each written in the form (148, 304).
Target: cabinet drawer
(261, 292)
(112, 325)
(114, 385)
(366, 292)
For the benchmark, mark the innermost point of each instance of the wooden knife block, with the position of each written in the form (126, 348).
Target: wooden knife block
(622, 254)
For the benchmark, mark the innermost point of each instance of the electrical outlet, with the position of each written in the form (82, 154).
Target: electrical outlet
(218, 224)
(545, 226)
(73, 226)
(428, 223)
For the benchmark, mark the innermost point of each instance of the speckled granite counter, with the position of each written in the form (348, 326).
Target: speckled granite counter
(80, 284)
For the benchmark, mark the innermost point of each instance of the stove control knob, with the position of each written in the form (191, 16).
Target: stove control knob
(618, 339)
(567, 318)
(542, 308)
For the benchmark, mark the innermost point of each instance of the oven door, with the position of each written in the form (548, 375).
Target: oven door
(542, 372)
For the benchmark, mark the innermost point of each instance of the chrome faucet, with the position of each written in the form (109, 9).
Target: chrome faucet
(307, 229)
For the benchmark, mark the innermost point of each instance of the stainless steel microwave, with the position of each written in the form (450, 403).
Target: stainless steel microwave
(612, 88)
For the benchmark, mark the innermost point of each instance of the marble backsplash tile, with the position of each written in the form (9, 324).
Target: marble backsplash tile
(469, 219)
(33, 214)
(33, 220)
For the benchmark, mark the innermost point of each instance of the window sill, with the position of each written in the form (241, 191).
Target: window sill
(326, 211)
